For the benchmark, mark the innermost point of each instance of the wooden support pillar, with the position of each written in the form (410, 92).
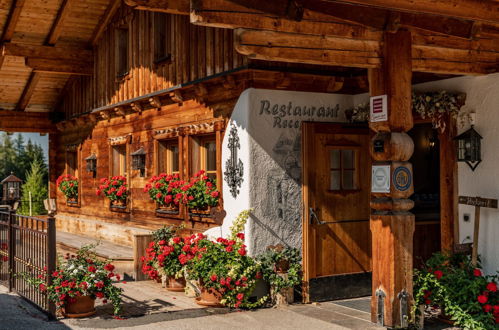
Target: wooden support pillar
(391, 223)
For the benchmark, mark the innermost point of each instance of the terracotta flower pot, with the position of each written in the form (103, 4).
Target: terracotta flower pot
(175, 284)
(84, 306)
(209, 297)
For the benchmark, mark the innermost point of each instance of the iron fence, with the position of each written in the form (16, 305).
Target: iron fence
(29, 248)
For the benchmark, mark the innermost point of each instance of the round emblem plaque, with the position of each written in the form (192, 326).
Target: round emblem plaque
(402, 178)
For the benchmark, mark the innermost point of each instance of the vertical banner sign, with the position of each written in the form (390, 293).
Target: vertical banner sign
(379, 108)
(380, 179)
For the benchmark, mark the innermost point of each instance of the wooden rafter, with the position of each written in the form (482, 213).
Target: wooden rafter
(12, 121)
(60, 66)
(13, 18)
(178, 7)
(47, 52)
(313, 49)
(52, 38)
(58, 24)
(104, 21)
(476, 10)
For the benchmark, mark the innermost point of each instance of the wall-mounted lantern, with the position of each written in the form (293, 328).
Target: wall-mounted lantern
(92, 164)
(468, 148)
(139, 161)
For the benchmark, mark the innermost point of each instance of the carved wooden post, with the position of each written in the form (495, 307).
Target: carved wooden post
(392, 225)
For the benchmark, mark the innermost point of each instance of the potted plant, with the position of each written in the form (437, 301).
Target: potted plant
(165, 190)
(116, 190)
(167, 255)
(460, 290)
(281, 268)
(77, 281)
(68, 185)
(200, 194)
(226, 275)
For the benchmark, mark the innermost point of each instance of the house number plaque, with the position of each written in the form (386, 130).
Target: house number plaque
(234, 166)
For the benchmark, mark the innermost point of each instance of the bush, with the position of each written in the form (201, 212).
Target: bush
(463, 293)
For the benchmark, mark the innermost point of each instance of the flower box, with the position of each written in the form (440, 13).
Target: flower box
(119, 206)
(72, 201)
(169, 211)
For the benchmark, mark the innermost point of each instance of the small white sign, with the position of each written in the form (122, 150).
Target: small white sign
(380, 179)
(379, 108)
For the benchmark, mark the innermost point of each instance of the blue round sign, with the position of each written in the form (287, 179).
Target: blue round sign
(402, 178)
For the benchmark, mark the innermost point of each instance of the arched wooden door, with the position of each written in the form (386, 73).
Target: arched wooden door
(336, 192)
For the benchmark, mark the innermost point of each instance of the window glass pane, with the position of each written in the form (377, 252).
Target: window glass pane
(211, 156)
(71, 162)
(348, 180)
(161, 158)
(335, 159)
(174, 161)
(348, 158)
(335, 181)
(116, 161)
(119, 160)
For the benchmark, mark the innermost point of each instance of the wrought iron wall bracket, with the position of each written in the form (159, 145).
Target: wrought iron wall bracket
(234, 168)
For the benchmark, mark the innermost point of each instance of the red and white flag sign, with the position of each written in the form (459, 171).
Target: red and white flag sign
(379, 108)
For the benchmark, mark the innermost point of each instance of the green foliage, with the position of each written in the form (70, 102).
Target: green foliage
(166, 233)
(470, 299)
(270, 261)
(200, 192)
(17, 156)
(68, 184)
(115, 189)
(38, 188)
(82, 274)
(165, 189)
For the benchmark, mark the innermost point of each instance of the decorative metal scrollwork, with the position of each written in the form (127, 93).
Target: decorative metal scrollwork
(234, 166)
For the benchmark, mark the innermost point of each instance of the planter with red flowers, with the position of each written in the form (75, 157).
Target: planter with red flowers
(77, 281)
(227, 276)
(165, 191)
(464, 295)
(116, 190)
(200, 194)
(68, 185)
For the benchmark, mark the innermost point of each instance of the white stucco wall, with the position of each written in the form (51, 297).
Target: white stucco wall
(269, 129)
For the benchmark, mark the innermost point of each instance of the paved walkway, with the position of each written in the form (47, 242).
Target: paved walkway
(149, 306)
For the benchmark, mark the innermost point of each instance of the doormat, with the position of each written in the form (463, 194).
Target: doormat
(361, 304)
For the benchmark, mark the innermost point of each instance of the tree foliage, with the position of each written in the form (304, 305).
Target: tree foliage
(38, 188)
(17, 155)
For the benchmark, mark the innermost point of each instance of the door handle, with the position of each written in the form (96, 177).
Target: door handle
(313, 216)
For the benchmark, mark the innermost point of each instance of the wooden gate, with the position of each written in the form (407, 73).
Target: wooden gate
(336, 234)
(28, 246)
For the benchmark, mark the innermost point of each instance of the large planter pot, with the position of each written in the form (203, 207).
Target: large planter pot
(84, 306)
(209, 297)
(175, 284)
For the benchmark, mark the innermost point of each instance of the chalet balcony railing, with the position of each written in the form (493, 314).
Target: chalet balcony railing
(29, 248)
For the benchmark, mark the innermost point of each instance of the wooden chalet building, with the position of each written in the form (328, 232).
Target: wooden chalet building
(257, 94)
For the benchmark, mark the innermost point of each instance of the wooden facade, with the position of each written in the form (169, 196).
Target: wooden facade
(111, 77)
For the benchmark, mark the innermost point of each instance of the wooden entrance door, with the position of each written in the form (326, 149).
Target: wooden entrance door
(336, 193)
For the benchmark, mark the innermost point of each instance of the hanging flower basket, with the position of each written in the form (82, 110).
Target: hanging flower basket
(82, 306)
(68, 185)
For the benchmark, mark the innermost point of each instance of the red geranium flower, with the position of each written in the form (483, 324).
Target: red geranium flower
(477, 272)
(240, 236)
(109, 267)
(99, 295)
(213, 277)
(427, 301)
(92, 269)
(240, 296)
(438, 274)
(492, 287)
(229, 248)
(482, 299)
(487, 308)
(241, 251)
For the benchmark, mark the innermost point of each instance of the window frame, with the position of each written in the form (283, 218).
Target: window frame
(356, 162)
(166, 56)
(122, 72)
(165, 142)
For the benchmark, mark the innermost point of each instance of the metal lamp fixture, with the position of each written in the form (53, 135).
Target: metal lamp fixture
(139, 161)
(468, 146)
(92, 164)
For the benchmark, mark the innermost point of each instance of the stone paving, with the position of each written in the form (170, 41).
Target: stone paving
(149, 306)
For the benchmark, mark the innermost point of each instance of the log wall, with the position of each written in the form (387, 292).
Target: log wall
(196, 52)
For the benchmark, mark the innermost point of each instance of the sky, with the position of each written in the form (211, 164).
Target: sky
(38, 139)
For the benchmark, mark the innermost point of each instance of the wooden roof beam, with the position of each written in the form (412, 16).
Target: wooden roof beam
(36, 122)
(290, 9)
(178, 7)
(104, 21)
(325, 18)
(28, 91)
(47, 52)
(309, 49)
(475, 10)
(58, 24)
(12, 19)
(60, 67)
